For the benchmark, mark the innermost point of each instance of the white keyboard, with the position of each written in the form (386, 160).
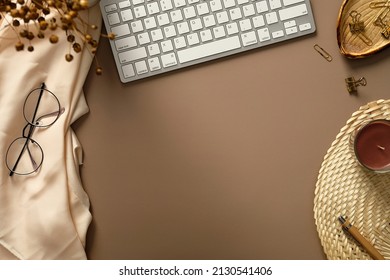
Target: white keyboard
(157, 36)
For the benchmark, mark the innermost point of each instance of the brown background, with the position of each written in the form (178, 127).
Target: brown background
(220, 160)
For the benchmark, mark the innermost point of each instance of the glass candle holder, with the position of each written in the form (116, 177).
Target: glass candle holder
(370, 143)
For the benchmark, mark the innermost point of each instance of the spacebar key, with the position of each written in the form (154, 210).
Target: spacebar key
(209, 49)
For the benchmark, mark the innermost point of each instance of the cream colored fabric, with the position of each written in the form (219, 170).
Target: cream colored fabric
(44, 215)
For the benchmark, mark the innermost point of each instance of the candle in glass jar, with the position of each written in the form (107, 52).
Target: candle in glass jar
(372, 145)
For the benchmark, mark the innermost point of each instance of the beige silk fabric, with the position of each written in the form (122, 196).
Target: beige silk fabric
(44, 215)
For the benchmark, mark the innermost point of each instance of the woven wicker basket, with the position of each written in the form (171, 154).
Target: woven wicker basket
(345, 188)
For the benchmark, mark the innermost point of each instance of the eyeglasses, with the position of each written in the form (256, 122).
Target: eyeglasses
(41, 109)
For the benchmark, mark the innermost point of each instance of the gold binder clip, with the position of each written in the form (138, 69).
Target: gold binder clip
(352, 84)
(357, 27)
(384, 26)
(323, 53)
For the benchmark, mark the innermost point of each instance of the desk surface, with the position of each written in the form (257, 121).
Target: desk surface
(220, 160)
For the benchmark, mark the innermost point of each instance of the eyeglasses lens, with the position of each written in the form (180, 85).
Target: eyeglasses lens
(24, 156)
(41, 108)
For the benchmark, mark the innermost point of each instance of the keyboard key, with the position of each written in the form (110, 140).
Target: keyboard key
(245, 25)
(249, 38)
(141, 67)
(291, 2)
(271, 18)
(168, 60)
(180, 3)
(222, 17)
(126, 15)
(128, 71)
(163, 19)
(169, 31)
(150, 23)
(180, 43)
(183, 28)
(216, 5)
(110, 8)
(189, 12)
(137, 26)
(290, 23)
(113, 19)
(121, 30)
(166, 5)
(219, 32)
(176, 16)
(263, 34)
(249, 10)
(277, 34)
(193, 39)
(139, 11)
(209, 21)
(228, 3)
(305, 26)
(143, 38)
(262, 7)
(202, 9)
(153, 8)
(132, 55)
(126, 43)
(153, 49)
(258, 21)
(293, 12)
(157, 35)
(208, 49)
(235, 14)
(154, 64)
(196, 24)
(275, 4)
(166, 46)
(205, 35)
(291, 30)
(124, 4)
(232, 28)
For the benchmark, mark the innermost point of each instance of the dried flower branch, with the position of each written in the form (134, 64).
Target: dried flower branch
(37, 12)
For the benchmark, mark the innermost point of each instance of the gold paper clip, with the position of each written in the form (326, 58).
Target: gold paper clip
(323, 53)
(380, 4)
(352, 84)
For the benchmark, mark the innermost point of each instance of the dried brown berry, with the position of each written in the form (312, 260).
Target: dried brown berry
(19, 46)
(43, 25)
(88, 38)
(77, 47)
(53, 39)
(68, 57)
(99, 70)
(71, 38)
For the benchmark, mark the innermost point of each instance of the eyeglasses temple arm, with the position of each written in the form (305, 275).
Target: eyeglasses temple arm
(12, 172)
(61, 111)
(39, 101)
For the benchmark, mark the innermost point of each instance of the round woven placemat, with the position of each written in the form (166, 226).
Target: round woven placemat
(344, 188)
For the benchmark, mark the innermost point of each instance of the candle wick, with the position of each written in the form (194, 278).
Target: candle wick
(380, 147)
